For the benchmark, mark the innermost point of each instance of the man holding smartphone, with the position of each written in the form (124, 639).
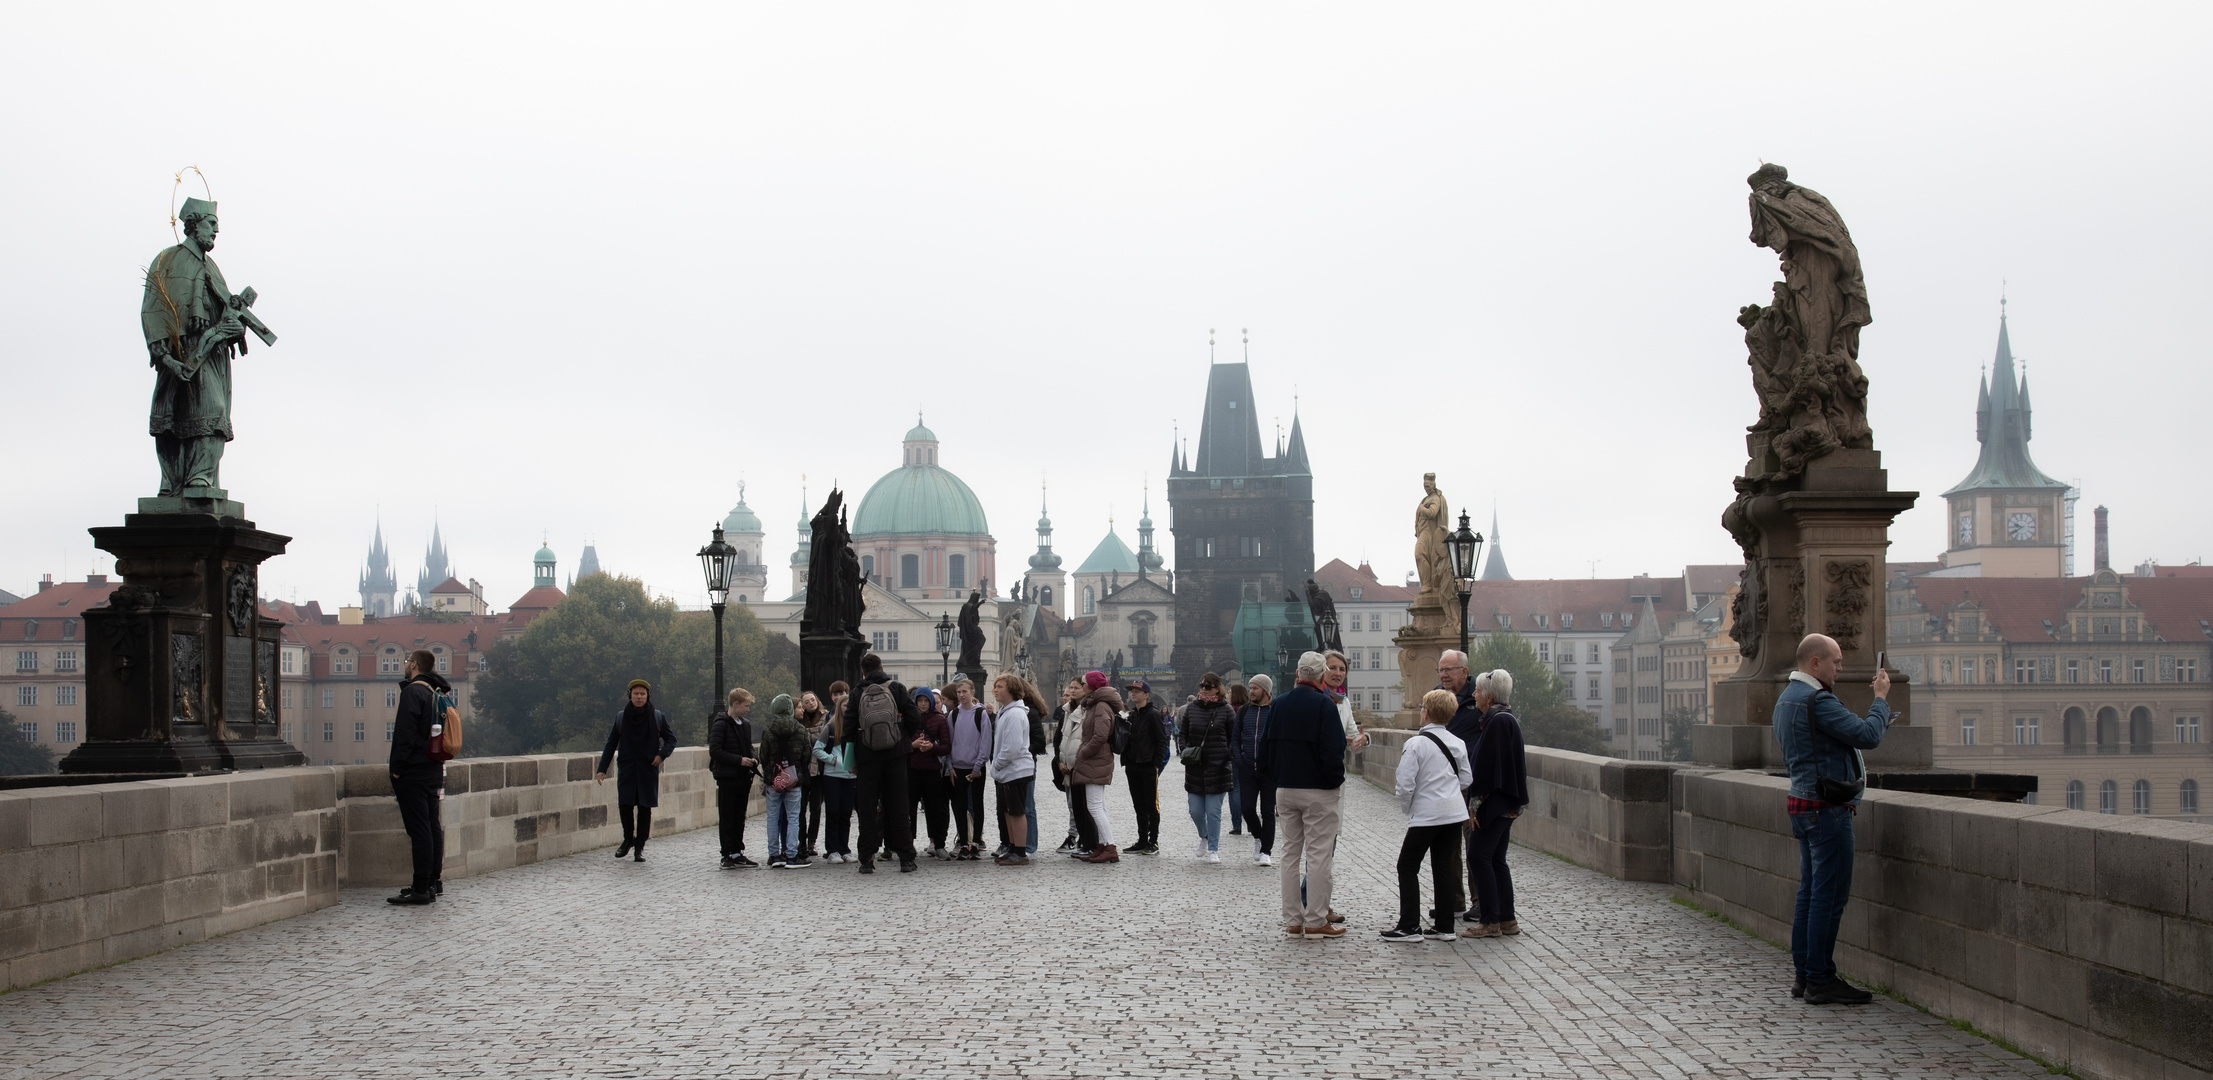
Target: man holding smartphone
(1821, 741)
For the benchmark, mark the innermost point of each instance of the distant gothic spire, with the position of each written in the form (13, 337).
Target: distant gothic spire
(2002, 426)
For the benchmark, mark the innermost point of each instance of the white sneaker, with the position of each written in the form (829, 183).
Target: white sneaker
(1264, 859)
(1200, 852)
(1214, 856)
(1256, 847)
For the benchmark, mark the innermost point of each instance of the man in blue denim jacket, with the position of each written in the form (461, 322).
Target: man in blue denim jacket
(1821, 738)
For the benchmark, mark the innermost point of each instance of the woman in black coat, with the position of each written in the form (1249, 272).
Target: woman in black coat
(643, 735)
(1202, 737)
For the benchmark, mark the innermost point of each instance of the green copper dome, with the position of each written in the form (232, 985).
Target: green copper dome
(920, 498)
(741, 519)
(1111, 555)
(921, 434)
(545, 555)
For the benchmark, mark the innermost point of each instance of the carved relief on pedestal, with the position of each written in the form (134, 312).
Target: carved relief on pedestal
(238, 600)
(184, 677)
(1795, 571)
(1847, 604)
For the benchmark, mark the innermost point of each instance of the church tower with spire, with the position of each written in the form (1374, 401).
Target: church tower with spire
(1241, 521)
(1494, 559)
(741, 528)
(379, 587)
(2007, 519)
(435, 568)
(1043, 582)
(804, 556)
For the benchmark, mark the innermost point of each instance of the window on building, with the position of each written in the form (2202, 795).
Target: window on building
(330, 699)
(956, 571)
(1591, 657)
(445, 663)
(1621, 727)
(1621, 695)
(391, 696)
(910, 571)
(26, 662)
(2141, 801)
(2186, 670)
(30, 629)
(2074, 794)
(1544, 652)
(1375, 622)
(389, 662)
(389, 725)
(29, 728)
(26, 695)
(330, 731)
(360, 699)
(2109, 797)
(2105, 671)
(1967, 731)
(2136, 671)
(285, 662)
(2189, 804)
(1375, 701)
(1046, 595)
(876, 641)
(288, 731)
(2025, 731)
(65, 731)
(65, 695)
(1544, 622)
(288, 698)
(1967, 669)
(1204, 547)
(2186, 729)
(868, 567)
(2024, 671)
(1375, 659)
(2074, 671)
(1090, 601)
(1591, 694)
(891, 641)
(65, 660)
(360, 731)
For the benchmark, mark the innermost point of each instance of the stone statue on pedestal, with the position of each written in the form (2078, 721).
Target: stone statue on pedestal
(1432, 524)
(972, 636)
(1804, 348)
(194, 326)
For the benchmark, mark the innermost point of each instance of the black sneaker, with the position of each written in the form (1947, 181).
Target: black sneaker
(1837, 992)
(743, 863)
(868, 866)
(625, 848)
(1396, 934)
(729, 863)
(776, 862)
(412, 898)
(1798, 987)
(906, 866)
(799, 863)
(1442, 933)
(1068, 846)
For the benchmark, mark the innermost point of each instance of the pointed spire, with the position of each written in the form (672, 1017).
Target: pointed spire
(1494, 562)
(1294, 462)
(1148, 560)
(1044, 561)
(2002, 425)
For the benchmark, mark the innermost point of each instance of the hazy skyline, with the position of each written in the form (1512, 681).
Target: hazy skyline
(575, 272)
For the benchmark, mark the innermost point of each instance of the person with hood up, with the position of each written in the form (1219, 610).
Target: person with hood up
(1203, 738)
(969, 730)
(1499, 791)
(730, 760)
(416, 776)
(1256, 801)
(643, 735)
(1012, 764)
(928, 787)
(1093, 770)
(785, 752)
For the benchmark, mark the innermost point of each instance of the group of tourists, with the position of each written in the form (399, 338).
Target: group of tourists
(911, 766)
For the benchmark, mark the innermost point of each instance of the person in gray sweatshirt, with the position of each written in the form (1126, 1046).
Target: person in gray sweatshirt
(970, 729)
(1012, 765)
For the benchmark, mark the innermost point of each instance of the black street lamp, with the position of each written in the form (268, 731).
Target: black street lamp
(1283, 661)
(1325, 629)
(945, 647)
(719, 561)
(1464, 545)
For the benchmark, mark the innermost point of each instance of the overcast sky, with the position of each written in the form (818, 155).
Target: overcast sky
(576, 272)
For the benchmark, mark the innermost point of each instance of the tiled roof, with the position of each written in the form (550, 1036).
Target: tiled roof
(1339, 580)
(539, 598)
(450, 585)
(54, 606)
(2017, 608)
(1582, 600)
(1711, 579)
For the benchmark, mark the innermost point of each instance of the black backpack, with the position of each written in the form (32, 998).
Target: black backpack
(1037, 734)
(1119, 740)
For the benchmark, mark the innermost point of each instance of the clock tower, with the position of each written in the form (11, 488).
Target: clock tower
(2007, 519)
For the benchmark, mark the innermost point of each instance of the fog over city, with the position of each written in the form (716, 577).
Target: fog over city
(572, 274)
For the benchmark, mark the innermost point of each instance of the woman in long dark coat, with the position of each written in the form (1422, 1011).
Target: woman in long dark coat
(645, 740)
(1202, 736)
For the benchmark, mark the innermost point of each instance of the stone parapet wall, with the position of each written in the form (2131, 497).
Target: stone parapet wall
(101, 873)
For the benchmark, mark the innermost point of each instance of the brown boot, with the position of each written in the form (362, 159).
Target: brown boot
(1509, 927)
(1482, 930)
(1105, 853)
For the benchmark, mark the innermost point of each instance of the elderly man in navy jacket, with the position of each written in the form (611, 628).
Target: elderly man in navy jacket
(1821, 741)
(1302, 755)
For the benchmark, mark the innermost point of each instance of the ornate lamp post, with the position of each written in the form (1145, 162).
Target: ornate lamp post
(1464, 545)
(719, 561)
(1325, 631)
(1283, 663)
(945, 647)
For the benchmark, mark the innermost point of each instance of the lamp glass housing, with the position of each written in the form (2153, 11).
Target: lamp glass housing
(719, 562)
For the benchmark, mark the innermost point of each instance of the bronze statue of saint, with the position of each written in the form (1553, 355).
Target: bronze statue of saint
(1432, 524)
(194, 326)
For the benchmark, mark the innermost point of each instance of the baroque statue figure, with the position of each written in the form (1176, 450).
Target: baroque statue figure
(972, 633)
(194, 326)
(1432, 524)
(1804, 347)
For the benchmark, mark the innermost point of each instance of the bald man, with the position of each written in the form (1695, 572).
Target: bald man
(1821, 742)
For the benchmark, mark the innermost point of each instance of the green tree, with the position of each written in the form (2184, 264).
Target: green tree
(560, 684)
(20, 756)
(1541, 701)
(1678, 723)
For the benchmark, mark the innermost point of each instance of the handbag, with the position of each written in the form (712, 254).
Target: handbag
(786, 779)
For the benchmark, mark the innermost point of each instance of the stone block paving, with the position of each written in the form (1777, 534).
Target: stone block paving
(1157, 967)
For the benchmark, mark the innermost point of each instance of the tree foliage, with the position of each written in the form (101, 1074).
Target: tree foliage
(20, 756)
(1543, 704)
(559, 686)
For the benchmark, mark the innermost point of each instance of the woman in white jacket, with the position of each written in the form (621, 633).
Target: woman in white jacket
(1012, 767)
(1433, 768)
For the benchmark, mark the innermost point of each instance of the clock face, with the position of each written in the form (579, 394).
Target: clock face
(1966, 530)
(2021, 526)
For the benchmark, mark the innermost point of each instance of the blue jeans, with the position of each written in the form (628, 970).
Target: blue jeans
(783, 821)
(1824, 884)
(1206, 813)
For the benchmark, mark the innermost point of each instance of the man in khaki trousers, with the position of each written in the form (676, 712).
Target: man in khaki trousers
(1302, 755)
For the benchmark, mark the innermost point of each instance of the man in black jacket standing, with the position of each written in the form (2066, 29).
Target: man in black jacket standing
(416, 776)
(1303, 755)
(730, 760)
(1141, 764)
(880, 773)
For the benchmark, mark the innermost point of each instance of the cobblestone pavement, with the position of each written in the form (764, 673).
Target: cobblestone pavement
(1156, 967)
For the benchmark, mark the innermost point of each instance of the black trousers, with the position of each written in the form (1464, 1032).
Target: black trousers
(929, 789)
(1079, 817)
(880, 796)
(1494, 884)
(1440, 844)
(1256, 807)
(810, 812)
(968, 809)
(730, 798)
(837, 829)
(426, 841)
(1145, 797)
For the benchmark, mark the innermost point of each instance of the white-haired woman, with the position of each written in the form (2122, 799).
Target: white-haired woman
(1499, 791)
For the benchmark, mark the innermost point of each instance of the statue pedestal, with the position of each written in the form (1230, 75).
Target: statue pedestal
(181, 672)
(1432, 630)
(825, 658)
(1816, 564)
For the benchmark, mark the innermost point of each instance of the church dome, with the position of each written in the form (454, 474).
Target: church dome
(545, 555)
(1111, 556)
(920, 497)
(742, 519)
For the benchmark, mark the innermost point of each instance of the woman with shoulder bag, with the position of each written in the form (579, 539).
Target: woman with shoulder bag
(1093, 771)
(1203, 739)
